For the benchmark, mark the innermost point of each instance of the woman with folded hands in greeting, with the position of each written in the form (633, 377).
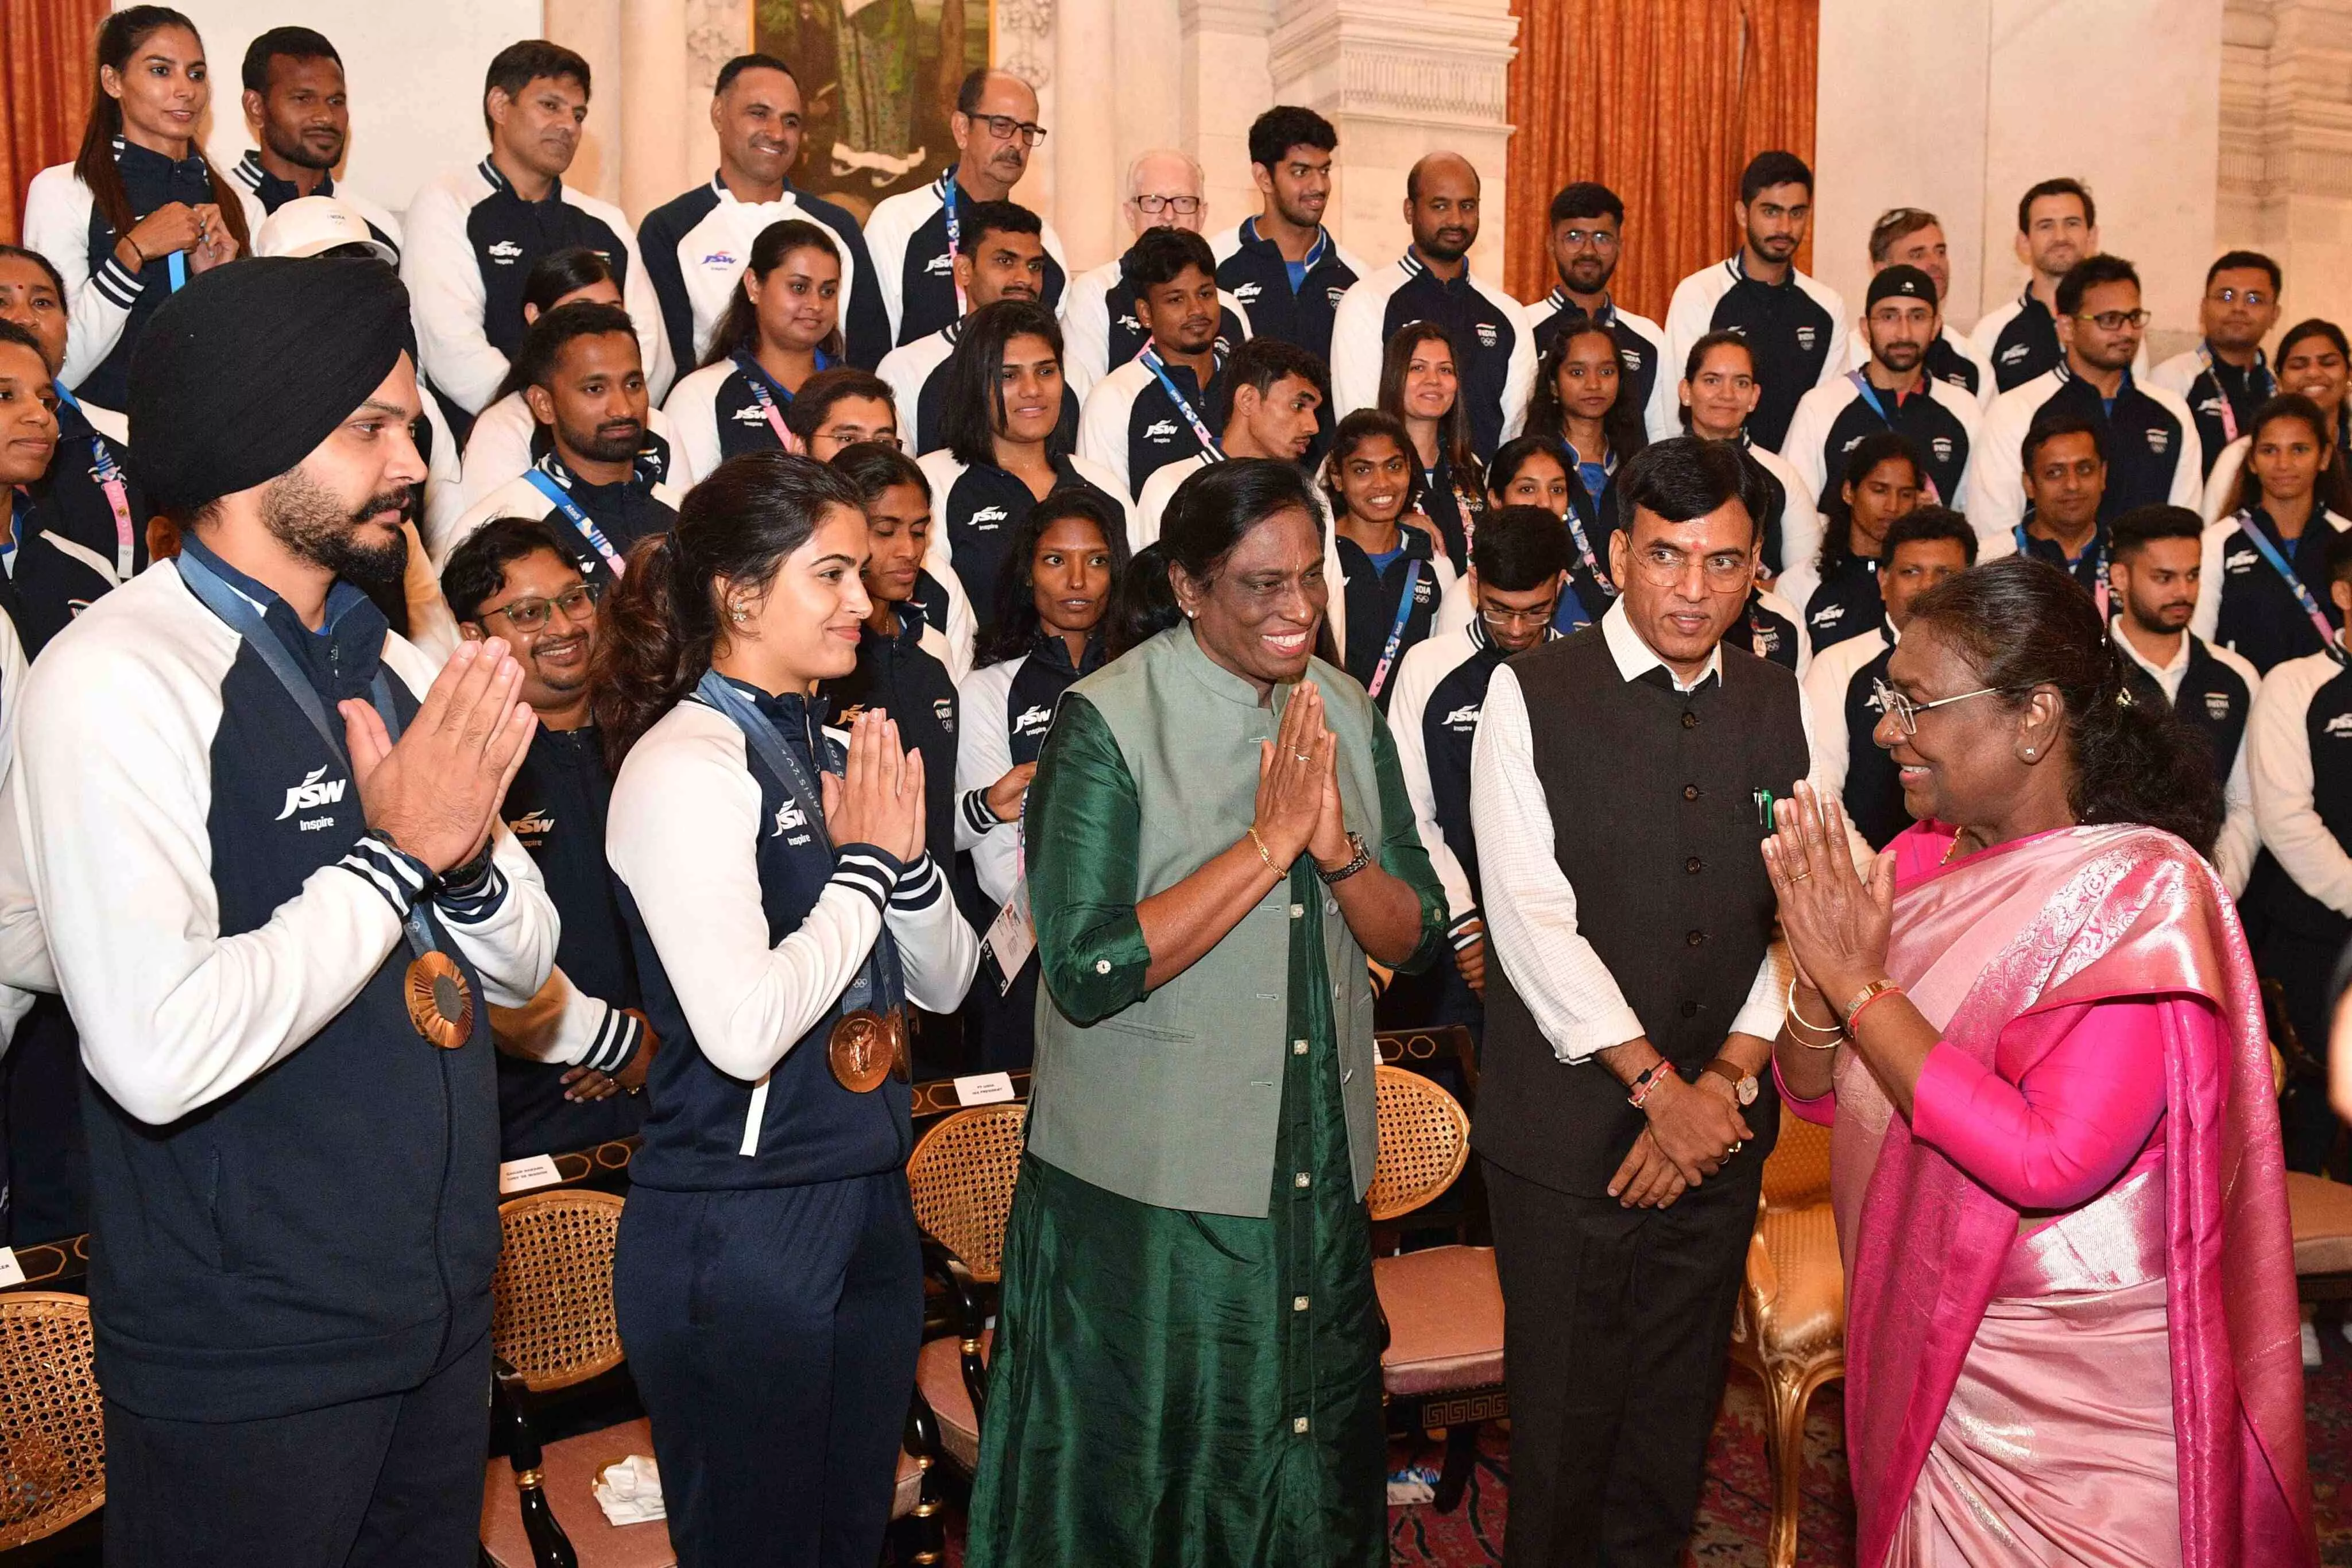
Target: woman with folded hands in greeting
(2035, 1031)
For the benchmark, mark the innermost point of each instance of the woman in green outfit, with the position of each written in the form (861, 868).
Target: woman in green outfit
(1187, 1359)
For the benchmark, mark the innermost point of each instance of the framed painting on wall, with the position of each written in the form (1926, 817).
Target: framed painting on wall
(878, 81)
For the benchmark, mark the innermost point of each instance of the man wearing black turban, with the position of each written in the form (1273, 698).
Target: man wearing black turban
(279, 900)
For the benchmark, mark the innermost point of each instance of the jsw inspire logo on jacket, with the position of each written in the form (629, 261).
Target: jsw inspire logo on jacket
(310, 794)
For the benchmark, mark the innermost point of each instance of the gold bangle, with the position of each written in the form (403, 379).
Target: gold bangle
(1280, 872)
(1864, 997)
(1801, 1026)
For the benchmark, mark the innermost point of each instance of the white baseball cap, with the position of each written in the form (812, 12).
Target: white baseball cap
(309, 226)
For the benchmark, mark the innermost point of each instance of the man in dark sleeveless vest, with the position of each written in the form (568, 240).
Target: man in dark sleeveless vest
(263, 836)
(1619, 790)
(2154, 575)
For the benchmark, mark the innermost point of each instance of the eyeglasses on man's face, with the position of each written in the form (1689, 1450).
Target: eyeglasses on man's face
(1504, 618)
(1599, 239)
(1183, 206)
(1004, 126)
(2116, 320)
(2251, 298)
(1724, 571)
(576, 602)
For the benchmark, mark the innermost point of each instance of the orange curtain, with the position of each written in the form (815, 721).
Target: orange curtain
(1664, 101)
(44, 83)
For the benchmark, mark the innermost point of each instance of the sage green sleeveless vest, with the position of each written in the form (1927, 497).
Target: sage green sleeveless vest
(1173, 1102)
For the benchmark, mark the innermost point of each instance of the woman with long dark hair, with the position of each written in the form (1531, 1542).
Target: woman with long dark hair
(1391, 572)
(2312, 358)
(140, 209)
(1218, 835)
(1883, 479)
(2055, 1167)
(1584, 400)
(768, 1276)
(1540, 471)
(1006, 447)
(1421, 385)
(1053, 603)
(2289, 504)
(781, 327)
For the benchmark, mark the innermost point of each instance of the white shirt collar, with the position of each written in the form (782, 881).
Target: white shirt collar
(2168, 674)
(1636, 658)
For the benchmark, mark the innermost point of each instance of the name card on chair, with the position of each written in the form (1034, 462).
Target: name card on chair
(984, 1089)
(524, 1175)
(11, 1271)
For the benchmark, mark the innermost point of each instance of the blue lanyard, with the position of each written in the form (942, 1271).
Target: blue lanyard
(881, 961)
(246, 621)
(546, 486)
(955, 234)
(2099, 564)
(2270, 552)
(1870, 395)
(1159, 367)
(1396, 631)
(756, 378)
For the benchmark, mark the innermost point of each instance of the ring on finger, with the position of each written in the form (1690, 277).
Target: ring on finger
(1737, 1145)
(1798, 875)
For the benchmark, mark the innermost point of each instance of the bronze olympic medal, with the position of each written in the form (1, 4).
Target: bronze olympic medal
(440, 1004)
(863, 1051)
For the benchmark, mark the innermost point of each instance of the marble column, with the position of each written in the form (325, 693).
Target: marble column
(1226, 81)
(593, 29)
(1398, 81)
(2286, 174)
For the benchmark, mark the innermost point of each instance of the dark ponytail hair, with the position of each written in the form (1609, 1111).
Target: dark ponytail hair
(1017, 619)
(739, 329)
(119, 38)
(1208, 515)
(562, 272)
(2022, 623)
(659, 623)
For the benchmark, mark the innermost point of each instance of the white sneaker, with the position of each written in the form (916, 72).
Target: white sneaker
(2311, 1344)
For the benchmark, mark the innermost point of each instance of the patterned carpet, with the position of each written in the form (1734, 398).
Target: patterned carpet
(1734, 1509)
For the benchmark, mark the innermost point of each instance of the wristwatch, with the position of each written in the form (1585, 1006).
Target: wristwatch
(1743, 1085)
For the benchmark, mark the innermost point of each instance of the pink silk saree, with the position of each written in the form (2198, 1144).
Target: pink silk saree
(2186, 1268)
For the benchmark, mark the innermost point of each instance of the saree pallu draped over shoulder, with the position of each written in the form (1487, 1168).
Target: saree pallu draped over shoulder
(1987, 1357)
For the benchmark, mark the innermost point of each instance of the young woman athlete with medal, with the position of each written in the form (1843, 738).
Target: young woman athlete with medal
(783, 911)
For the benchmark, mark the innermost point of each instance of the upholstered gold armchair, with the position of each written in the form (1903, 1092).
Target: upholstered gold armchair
(1789, 1326)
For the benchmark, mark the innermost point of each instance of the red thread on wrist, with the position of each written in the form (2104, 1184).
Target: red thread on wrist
(1854, 1023)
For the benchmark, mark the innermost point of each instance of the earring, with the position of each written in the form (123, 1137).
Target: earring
(2029, 754)
(737, 613)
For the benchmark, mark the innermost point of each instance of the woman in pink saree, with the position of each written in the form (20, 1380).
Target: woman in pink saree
(2072, 1332)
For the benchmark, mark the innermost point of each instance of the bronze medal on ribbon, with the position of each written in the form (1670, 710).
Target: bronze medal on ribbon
(865, 1049)
(440, 1003)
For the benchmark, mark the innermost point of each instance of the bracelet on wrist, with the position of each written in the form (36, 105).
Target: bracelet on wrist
(1259, 844)
(1825, 1037)
(1356, 862)
(1864, 997)
(1647, 1084)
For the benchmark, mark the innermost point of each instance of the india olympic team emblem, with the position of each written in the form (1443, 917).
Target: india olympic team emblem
(1942, 446)
(2217, 706)
(1331, 295)
(2159, 441)
(943, 710)
(1488, 335)
(1805, 337)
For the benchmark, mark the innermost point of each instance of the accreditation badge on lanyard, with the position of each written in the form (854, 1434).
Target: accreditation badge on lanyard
(869, 1036)
(108, 471)
(440, 1003)
(544, 483)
